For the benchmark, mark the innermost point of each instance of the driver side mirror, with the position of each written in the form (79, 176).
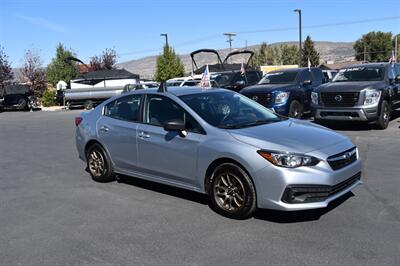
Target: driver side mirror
(176, 125)
(307, 82)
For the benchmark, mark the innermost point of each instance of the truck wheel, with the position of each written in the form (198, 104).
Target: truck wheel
(99, 165)
(296, 109)
(384, 116)
(22, 104)
(89, 105)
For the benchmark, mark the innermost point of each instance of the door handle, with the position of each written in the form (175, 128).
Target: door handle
(144, 135)
(104, 129)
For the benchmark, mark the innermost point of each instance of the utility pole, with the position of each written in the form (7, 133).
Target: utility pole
(166, 38)
(395, 48)
(230, 35)
(300, 51)
(246, 44)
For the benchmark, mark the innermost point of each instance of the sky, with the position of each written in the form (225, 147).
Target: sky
(133, 28)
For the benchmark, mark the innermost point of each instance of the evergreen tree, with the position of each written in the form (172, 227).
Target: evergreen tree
(6, 74)
(169, 65)
(377, 45)
(60, 68)
(289, 54)
(309, 52)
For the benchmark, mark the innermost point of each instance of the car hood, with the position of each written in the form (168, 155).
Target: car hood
(350, 86)
(289, 135)
(262, 88)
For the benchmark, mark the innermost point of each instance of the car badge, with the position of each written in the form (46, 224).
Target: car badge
(338, 98)
(255, 98)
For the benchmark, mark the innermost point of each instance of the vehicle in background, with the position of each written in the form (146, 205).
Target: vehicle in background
(287, 91)
(329, 74)
(220, 143)
(94, 87)
(15, 97)
(365, 92)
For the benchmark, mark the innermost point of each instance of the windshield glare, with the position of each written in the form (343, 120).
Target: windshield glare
(229, 109)
(360, 74)
(279, 78)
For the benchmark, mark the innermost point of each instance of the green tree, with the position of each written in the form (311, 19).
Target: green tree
(377, 45)
(289, 54)
(60, 68)
(398, 46)
(266, 55)
(169, 65)
(309, 52)
(6, 74)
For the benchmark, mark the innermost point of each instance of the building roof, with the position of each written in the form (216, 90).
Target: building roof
(109, 74)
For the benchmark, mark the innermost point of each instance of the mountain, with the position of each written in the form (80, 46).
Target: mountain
(145, 67)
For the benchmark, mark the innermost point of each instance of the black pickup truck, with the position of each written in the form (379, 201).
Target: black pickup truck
(366, 92)
(16, 97)
(288, 91)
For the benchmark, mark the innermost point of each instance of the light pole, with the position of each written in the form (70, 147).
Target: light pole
(299, 11)
(166, 38)
(230, 35)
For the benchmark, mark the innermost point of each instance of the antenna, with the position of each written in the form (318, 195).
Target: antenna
(162, 87)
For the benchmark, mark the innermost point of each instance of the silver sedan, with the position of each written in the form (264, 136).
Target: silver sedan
(220, 143)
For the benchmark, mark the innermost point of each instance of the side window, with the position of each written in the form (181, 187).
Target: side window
(160, 109)
(391, 73)
(125, 108)
(252, 77)
(306, 75)
(317, 75)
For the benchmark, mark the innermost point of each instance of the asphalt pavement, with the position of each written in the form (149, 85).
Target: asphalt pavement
(52, 213)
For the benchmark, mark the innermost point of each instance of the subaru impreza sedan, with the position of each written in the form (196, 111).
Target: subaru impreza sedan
(220, 143)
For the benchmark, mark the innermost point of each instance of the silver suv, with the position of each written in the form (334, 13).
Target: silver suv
(220, 143)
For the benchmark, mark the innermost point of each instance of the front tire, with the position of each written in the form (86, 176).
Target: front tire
(232, 192)
(99, 164)
(296, 109)
(384, 116)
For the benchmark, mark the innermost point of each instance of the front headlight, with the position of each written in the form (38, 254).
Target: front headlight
(281, 97)
(289, 160)
(314, 97)
(372, 97)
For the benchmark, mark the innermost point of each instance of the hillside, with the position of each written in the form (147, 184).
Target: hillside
(336, 51)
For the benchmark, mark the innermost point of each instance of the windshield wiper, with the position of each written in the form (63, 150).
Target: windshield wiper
(250, 124)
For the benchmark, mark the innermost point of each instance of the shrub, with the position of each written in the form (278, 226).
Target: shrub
(48, 98)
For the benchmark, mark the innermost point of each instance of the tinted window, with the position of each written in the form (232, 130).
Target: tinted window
(225, 109)
(391, 73)
(360, 74)
(125, 108)
(160, 109)
(279, 77)
(306, 75)
(317, 75)
(223, 79)
(252, 77)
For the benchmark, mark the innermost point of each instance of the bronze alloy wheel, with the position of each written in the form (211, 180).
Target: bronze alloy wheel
(96, 163)
(229, 192)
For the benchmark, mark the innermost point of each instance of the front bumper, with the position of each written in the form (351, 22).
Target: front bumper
(346, 113)
(273, 183)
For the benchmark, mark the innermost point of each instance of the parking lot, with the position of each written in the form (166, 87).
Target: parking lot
(51, 212)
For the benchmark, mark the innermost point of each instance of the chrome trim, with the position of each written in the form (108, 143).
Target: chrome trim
(361, 114)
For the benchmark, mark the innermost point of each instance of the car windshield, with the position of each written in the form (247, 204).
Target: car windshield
(229, 110)
(279, 78)
(360, 74)
(223, 79)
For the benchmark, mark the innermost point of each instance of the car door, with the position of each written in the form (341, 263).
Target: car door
(307, 88)
(117, 130)
(166, 154)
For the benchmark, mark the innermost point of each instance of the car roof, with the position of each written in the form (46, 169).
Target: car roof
(179, 91)
(298, 69)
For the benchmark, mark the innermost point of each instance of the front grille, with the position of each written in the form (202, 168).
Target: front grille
(342, 159)
(316, 193)
(261, 98)
(339, 99)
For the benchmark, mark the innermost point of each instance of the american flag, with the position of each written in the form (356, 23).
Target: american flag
(309, 64)
(205, 79)
(242, 69)
(392, 58)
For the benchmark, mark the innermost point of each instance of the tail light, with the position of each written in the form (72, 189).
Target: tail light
(78, 120)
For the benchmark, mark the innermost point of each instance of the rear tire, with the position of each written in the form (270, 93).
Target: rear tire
(296, 109)
(22, 104)
(384, 116)
(99, 164)
(232, 192)
(89, 105)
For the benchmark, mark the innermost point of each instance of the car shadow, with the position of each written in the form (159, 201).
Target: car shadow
(165, 189)
(261, 214)
(299, 216)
